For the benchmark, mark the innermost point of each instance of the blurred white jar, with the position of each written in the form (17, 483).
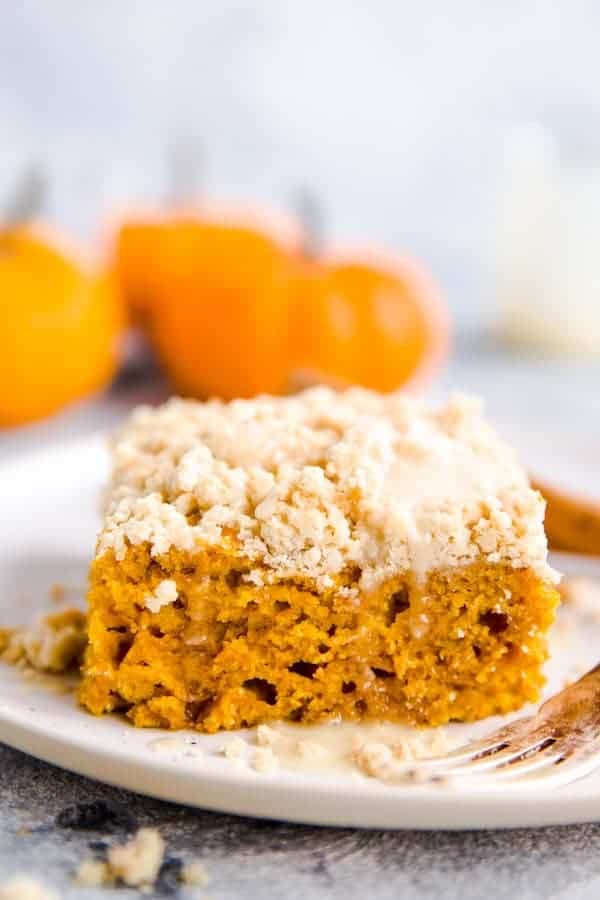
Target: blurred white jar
(548, 248)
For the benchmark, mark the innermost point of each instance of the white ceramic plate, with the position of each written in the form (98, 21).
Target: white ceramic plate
(49, 520)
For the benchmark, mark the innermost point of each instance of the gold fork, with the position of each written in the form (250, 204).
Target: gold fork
(558, 744)
(572, 523)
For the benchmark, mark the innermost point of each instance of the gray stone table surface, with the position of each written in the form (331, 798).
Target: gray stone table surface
(270, 861)
(248, 858)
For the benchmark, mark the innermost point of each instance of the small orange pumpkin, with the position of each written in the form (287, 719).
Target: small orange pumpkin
(234, 308)
(371, 319)
(61, 324)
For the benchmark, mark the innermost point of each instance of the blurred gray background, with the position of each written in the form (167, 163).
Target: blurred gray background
(395, 113)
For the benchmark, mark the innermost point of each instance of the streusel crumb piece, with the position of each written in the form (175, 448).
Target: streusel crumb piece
(234, 748)
(136, 863)
(311, 751)
(194, 874)
(21, 887)
(93, 873)
(139, 860)
(583, 594)
(53, 643)
(266, 736)
(265, 760)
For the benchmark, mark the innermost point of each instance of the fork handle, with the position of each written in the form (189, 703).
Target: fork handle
(576, 709)
(572, 523)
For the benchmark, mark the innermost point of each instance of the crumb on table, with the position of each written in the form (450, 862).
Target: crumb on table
(92, 873)
(22, 887)
(140, 862)
(194, 874)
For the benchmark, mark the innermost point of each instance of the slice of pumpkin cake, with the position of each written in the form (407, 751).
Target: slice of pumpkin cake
(326, 554)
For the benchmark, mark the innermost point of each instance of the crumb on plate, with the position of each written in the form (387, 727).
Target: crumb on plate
(266, 736)
(234, 748)
(50, 643)
(583, 594)
(265, 760)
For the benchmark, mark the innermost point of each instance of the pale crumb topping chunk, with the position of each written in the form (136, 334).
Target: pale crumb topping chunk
(309, 485)
(583, 594)
(265, 760)
(266, 736)
(137, 863)
(51, 643)
(164, 593)
(388, 761)
(22, 887)
(235, 748)
(92, 873)
(311, 751)
(194, 874)
(139, 860)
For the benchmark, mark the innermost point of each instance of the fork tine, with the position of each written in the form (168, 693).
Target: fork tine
(490, 745)
(563, 773)
(536, 763)
(577, 762)
(509, 756)
(557, 745)
(462, 754)
(564, 760)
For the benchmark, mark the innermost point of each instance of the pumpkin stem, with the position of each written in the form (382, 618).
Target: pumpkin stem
(27, 197)
(310, 213)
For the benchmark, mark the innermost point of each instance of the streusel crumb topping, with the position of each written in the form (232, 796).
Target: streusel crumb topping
(312, 484)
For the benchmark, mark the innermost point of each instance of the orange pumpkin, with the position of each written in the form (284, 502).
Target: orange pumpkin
(221, 312)
(369, 319)
(61, 324)
(140, 242)
(233, 307)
